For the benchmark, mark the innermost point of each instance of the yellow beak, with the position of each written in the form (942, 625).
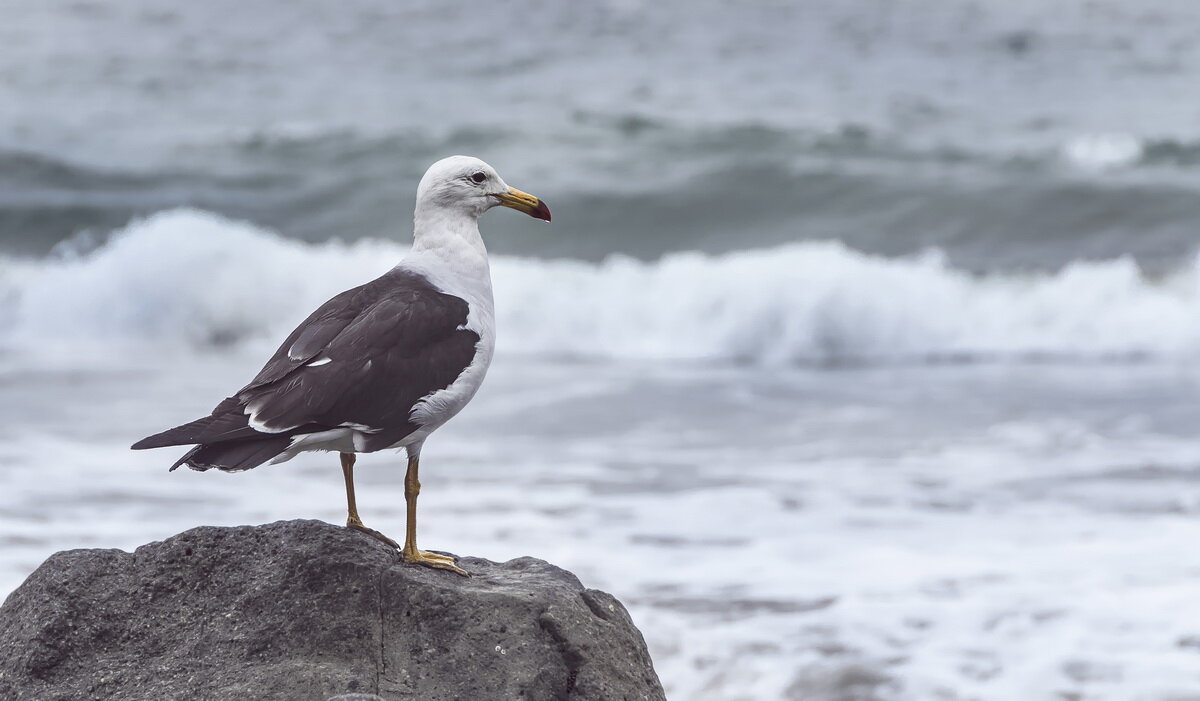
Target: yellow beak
(524, 202)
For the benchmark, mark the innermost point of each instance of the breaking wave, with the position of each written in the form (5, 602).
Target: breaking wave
(188, 280)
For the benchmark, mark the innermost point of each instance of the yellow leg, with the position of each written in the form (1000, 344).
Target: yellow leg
(352, 519)
(410, 552)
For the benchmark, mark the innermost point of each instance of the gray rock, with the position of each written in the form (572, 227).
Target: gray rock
(305, 610)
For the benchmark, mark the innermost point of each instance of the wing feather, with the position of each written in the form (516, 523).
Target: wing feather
(388, 347)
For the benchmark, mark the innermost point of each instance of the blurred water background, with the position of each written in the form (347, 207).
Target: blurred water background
(860, 360)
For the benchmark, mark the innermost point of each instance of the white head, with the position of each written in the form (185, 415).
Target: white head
(462, 185)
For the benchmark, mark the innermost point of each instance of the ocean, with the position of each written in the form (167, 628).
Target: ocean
(860, 360)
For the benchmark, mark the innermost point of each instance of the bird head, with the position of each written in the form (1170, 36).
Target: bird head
(469, 185)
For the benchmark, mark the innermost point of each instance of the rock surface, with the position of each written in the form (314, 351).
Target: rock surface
(305, 610)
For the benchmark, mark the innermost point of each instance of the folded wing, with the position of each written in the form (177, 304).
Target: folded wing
(362, 360)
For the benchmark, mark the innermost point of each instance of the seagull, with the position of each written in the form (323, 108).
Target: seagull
(379, 366)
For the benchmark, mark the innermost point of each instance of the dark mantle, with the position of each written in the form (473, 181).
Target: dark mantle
(305, 610)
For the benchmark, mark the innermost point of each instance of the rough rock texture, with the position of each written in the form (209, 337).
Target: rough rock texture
(305, 610)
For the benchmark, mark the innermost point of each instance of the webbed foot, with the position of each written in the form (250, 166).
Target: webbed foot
(438, 561)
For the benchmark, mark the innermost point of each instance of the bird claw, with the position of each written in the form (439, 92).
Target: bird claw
(412, 556)
(435, 560)
(358, 526)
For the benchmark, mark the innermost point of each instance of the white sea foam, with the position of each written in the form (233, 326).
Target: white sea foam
(189, 279)
(878, 533)
(179, 279)
(1103, 151)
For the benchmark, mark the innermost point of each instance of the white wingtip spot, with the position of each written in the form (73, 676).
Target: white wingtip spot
(319, 362)
(251, 410)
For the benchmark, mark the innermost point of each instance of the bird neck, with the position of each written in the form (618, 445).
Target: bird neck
(447, 232)
(449, 240)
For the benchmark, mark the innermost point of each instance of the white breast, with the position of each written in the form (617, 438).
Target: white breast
(469, 278)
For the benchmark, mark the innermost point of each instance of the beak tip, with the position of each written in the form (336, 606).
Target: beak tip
(524, 202)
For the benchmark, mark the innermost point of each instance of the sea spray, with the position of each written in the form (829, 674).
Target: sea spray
(185, 280)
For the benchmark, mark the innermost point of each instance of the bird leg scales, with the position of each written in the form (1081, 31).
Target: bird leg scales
(352, 519)
(410, 552)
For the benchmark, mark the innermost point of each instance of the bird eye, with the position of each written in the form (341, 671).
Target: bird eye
(478, 177)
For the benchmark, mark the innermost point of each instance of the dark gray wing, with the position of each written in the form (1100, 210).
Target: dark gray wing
(318, 331)
(400, 349)
(364, 358)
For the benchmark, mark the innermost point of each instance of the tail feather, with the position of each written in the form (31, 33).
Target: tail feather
(230, 425)
(236, 455)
